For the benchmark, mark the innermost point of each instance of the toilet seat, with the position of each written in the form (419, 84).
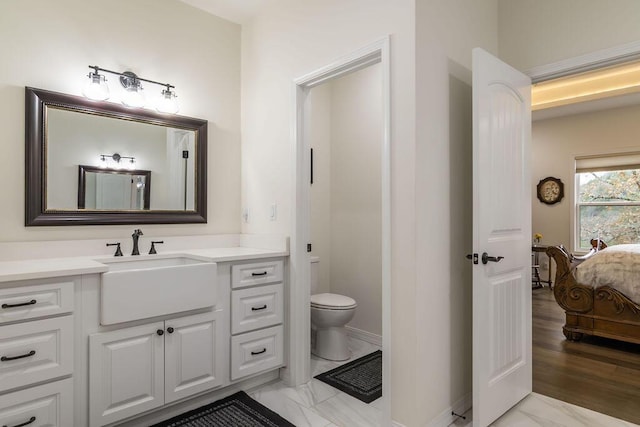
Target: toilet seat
(329, 301)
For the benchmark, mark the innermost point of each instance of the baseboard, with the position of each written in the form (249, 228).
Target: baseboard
(396, 424)
(364, 336)
(445, 418)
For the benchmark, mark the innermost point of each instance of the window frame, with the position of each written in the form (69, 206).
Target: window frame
(609, 162)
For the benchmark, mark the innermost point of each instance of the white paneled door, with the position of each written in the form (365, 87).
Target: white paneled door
(501, 237)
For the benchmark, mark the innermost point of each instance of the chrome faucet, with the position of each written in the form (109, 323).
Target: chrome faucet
(136, 235)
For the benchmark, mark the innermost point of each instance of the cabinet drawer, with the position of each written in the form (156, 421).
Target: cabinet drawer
(255, 308)
(256, 273)
(257, 351)
(35, 351)
(49, 405)
(28, 302)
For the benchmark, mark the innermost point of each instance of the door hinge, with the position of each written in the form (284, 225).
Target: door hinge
(474, 257)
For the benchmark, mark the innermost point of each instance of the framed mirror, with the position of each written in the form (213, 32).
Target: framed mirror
(91, 162)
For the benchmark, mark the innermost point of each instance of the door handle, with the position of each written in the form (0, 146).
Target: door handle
(486, 258)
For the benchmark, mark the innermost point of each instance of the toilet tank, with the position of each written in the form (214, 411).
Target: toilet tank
(315, 260)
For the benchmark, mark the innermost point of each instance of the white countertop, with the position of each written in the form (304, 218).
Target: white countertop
(57, 267)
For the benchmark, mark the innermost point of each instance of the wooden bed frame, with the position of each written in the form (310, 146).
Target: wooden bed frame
(602, 311)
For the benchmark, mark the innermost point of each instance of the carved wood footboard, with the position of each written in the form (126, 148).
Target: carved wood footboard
(602, 311)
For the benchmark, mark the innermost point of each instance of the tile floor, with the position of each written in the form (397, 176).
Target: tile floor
(537, 410)
(317, 404)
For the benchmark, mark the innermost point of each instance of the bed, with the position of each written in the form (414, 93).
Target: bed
(599, 292)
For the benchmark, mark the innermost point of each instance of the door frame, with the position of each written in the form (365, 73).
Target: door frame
(579, 64)
(299, 355)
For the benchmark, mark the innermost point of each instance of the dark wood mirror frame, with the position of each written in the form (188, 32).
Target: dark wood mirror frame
(82, 182)
(36, 214)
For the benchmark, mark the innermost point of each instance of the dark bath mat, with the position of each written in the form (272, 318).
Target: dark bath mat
(360, 378)
(232, 411)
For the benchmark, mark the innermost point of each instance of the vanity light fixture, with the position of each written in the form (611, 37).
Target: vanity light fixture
(96, 88)
(168, 102)
(115, 161)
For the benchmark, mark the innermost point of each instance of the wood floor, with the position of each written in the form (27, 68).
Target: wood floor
(595, 373)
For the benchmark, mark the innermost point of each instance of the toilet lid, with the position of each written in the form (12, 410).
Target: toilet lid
(334, 301)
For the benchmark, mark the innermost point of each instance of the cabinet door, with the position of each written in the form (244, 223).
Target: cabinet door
(192, 355)
(126, 372)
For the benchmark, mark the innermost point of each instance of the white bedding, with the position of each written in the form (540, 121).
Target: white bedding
(616, 266)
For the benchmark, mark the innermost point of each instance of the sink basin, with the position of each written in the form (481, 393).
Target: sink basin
(140, 288)
(122, 264)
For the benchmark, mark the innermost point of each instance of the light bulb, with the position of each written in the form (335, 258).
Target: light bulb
(96, 87)
(133, 97)
(167, 102)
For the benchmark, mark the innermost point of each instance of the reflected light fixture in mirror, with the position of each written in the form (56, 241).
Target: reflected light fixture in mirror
(113, 161)
(132, 96)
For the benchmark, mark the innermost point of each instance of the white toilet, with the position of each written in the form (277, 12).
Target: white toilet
(329, 314)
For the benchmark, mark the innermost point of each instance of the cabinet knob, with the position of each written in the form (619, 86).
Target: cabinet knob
(170, 329)
(160, 332)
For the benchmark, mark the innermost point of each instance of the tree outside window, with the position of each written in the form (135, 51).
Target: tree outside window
(608, 206)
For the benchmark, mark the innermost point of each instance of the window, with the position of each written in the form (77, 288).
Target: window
(608, 199)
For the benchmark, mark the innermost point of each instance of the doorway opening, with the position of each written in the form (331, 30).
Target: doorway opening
(299, 371)
(595, 372)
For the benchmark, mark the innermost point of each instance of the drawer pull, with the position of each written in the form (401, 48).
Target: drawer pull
(264, 273)
(19, 305)
(255, 353)
(259, 308)
(26, 423)
(8, 358)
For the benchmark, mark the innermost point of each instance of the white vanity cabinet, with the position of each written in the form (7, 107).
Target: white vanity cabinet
(136, 369)
(256, 317)
(37, 352)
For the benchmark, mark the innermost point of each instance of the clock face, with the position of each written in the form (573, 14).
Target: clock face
(550, 190)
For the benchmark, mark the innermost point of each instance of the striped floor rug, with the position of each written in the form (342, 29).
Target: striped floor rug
(233, 411)
(360, 378)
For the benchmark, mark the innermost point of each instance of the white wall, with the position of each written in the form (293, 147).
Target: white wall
(356, 205)
(430, 148)
(49, 44)
(446, 33)
(541, 32)
(346, 129)
(288, 40)
(557, 142)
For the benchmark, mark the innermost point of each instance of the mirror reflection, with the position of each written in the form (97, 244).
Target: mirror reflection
(113, 189)
(117, 160)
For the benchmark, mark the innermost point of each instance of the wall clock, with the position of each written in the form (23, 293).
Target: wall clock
(550, 190)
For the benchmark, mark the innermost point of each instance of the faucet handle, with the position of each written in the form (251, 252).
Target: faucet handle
(118, 251)
(153, 246)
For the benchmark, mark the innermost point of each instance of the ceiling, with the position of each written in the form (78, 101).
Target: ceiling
(238, 11)
(601, 89)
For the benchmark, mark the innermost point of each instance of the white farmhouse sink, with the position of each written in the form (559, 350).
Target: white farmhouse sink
(139, 288)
